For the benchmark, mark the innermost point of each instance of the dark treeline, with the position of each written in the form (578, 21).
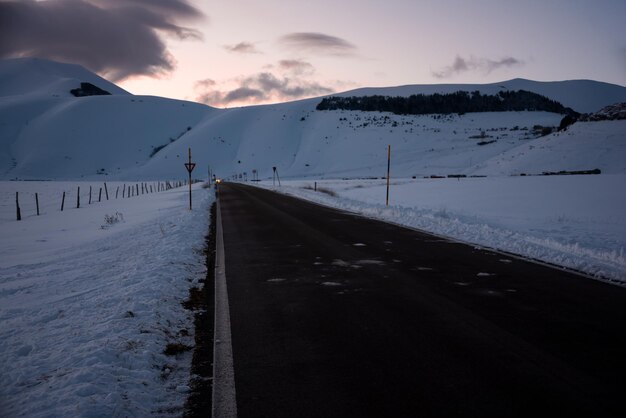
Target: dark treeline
(459, 102)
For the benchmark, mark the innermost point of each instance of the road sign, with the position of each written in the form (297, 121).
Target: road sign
(190, 166)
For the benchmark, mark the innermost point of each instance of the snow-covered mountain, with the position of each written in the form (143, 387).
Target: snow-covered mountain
(46, 133)
(584, 96)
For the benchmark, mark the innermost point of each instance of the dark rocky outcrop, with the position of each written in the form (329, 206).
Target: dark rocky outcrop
(88, 89)
(616, 111)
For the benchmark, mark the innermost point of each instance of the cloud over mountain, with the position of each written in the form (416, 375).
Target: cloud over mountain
(257, 88)
(116, 39)
(461, 65)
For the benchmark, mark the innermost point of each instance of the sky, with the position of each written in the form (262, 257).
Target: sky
(230, 53)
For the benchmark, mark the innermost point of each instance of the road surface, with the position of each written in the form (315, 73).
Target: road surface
(335, 315)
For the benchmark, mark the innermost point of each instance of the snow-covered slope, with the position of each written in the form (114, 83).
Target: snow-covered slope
(304, 143)
(100, 135)
(45, 133)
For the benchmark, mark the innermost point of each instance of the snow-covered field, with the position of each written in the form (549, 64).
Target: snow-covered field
(574, 221)
(87, 306)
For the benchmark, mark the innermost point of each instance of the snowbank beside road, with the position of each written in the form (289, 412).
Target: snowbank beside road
(87, 307)
(577, 222)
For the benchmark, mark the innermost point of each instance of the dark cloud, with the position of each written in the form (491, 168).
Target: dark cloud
(296, 67)
(116, 39)
(242, 48)
(462, 65)
(318, 43)
(206, 83)
(258, 88)
(243, 94)
(180, 8)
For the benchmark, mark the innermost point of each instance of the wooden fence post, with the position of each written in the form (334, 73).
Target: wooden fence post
(37, 203)
(100, 195)
(17, 205)
(78, 198)
(123, 190)
(63, 202)
(136, 184)
(106, 190)
(117, 191)
(90, 195)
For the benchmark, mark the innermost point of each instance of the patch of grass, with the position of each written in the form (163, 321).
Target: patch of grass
(173, 349)
(197, 299)
(321, 190)
(327, 191)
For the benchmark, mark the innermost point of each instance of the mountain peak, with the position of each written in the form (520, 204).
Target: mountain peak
(36, 76)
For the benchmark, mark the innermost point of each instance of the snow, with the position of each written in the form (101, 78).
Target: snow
(574, 221)
(87, 306)
(583, 146)
(86, 311)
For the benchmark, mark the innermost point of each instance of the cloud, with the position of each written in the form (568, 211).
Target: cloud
(296, 67)
(319, 43)
(117, 39)
(263, 87)
(242, 48)
(206, 83)
(243, 93)
(462, 65)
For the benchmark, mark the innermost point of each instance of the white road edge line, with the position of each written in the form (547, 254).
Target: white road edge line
(224, 395)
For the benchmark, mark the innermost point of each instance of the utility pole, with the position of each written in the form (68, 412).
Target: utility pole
(190, 166)
(388, 169)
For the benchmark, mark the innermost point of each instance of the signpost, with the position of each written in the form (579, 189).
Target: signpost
(190, 166)
(275, 176)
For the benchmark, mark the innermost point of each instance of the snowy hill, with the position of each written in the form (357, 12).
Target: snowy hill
(584, 96)
(46, 133)
(304, 143)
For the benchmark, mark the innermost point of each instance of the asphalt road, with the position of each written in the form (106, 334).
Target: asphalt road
(335, 315)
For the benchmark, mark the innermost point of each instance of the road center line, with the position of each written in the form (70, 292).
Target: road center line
(224, 395)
